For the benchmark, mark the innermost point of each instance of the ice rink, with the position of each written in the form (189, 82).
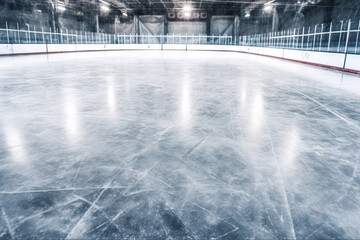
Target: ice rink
(194, 145)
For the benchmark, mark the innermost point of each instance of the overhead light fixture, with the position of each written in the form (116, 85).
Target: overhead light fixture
(270, 2)
(61, 8)
(268, 8)
(104, 2)
(187, 11)
(105, 8)
(38, 10)
(124, 14)
(187, 8)
(247, 15)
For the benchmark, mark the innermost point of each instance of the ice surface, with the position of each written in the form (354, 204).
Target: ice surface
(191, 145)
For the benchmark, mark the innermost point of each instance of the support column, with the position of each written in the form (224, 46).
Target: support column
(97, 12)
(166, 24)
(329, 13)
(97, 23)
(275, 21)
(137, 24)
(116, 21)
(208, 25)
(236, 28)
(54, 16)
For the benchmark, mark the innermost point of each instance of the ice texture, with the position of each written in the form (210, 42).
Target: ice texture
(183, 145)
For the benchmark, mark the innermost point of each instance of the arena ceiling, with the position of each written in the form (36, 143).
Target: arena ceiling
(163, 6)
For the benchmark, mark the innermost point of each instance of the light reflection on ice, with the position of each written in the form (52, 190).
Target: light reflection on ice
(290, 149)
(15, 143)
(185, 110)
(257, 112)
(111, 97)
(71, 114)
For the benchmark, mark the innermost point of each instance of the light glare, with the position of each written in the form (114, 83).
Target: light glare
(61, 8)
(105, 8)
(270, 2)
(104, 2)
(187, 8)
(268, 8)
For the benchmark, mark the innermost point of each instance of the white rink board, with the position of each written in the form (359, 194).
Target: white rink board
(328, 59)
(250, 49)
(109, 47)
(61, 48)
(275, 52)
(91, 47)
(174, 47)
(353, 62)
(194, 47)
(28, 48)
(6, 49)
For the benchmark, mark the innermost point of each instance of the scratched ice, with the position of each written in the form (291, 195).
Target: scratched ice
(191, 145)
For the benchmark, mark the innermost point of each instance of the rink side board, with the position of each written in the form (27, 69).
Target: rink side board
(338, 61)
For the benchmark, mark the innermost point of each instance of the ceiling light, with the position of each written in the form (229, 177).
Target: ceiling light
(270, 2)
(268, 8)
(61, 8)
(187, 8)
(104, 2)
(38, 10)
(124, 14)
(187, 14)
(247, 15)
(105, 8)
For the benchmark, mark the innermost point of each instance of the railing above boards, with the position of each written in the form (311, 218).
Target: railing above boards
(342, 37)
(17, 36)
